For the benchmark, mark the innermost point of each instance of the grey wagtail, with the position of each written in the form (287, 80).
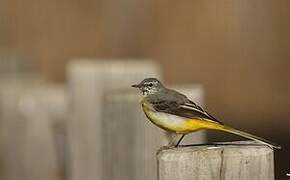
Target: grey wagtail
(174, 112)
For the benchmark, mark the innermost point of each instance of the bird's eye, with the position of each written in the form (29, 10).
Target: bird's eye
(150, 84)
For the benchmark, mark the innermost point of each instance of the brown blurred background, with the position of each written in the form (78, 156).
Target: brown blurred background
(238, 50)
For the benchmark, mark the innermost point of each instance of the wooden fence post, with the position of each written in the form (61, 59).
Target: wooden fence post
(236, 160)
(130, 140)
(27, 145)
(89, 82)
(44, 108)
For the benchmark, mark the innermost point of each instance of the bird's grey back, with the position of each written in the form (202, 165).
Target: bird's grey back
(166, 95)
(173, 102)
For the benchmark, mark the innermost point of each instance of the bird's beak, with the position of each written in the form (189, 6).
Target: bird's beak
(136, 86)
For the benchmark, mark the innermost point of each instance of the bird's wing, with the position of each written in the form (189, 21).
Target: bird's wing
(192, 106)
(175, 103)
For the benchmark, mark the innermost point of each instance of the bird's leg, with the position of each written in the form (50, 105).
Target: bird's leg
(171, 143)
(172, 140)
(178, 142)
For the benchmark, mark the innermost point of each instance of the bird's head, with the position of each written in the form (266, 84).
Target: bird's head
(149, 86)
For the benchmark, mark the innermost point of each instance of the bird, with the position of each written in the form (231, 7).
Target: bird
(173, 112)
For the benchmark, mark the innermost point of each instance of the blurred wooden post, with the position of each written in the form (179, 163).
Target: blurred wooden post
(236, 160)
(130, 140)
(44, 108)
(89, 83)
(27, 144)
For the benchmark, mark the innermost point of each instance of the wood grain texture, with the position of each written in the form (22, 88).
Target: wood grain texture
(236, 160)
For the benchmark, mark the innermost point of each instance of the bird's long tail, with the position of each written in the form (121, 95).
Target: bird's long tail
(249, 136)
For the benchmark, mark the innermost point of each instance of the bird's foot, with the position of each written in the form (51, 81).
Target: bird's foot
(165, 148)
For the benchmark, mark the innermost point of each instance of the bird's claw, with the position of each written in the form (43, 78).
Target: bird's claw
(165, 148)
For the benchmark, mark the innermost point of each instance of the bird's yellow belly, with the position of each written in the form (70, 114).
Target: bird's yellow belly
(173, 123)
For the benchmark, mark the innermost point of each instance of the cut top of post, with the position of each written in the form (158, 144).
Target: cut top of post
(234, 160)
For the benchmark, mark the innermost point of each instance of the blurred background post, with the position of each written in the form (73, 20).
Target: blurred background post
(56, 115)
(104, 140)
